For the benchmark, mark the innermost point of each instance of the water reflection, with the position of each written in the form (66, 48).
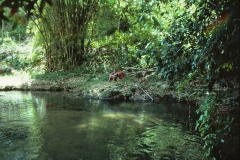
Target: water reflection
(46, 125)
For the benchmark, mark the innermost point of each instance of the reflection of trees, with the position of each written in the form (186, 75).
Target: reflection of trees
(20, 106)
(21, 114)
(125, 125)
(125, 142)
(58, 125)
(158, 127)
(137, 141)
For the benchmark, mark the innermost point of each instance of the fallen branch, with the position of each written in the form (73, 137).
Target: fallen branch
(145, 92)
(139, 69)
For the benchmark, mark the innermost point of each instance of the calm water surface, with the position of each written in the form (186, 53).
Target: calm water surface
(48, 125)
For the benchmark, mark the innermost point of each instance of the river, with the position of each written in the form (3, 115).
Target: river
(57, 125)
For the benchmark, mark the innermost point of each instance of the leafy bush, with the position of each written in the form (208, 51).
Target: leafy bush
(217, 127)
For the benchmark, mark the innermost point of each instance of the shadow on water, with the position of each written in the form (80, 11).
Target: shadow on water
(49, 125)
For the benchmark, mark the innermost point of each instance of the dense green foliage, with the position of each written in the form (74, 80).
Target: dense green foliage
(15, 5)
(64, 32)
(186, 41)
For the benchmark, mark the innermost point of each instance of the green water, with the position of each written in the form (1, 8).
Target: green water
(49, 126)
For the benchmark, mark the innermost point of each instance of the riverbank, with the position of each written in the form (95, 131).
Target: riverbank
(133, 86)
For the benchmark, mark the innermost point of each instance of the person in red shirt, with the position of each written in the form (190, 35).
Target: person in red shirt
(116, 76)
